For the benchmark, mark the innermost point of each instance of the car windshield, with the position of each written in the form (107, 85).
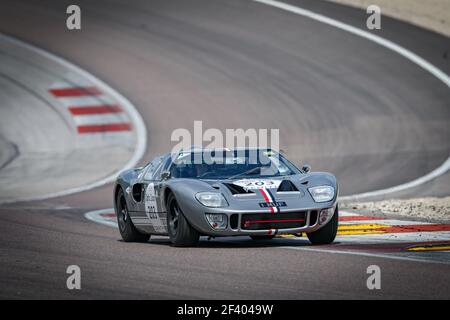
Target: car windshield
(237, 164)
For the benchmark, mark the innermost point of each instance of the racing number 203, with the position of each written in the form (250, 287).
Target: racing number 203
(228, 309)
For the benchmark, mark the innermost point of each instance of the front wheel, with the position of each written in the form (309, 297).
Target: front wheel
(127, 229)
(181, 233)
(327, 233)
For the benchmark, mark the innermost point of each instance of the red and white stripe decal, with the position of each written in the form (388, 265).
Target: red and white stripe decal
(93, 112)
(269, 199)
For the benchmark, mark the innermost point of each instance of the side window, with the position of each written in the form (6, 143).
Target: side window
(164, 166)
(151, 167)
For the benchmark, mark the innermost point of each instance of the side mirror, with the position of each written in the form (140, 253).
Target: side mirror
(165, 175)
(306, 168)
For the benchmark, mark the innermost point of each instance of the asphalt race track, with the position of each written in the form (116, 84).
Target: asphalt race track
(342, 103)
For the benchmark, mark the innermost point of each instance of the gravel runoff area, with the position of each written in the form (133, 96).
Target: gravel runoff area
(430, 14)
(429, 208)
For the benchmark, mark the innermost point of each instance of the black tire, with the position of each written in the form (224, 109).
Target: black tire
(262, 237)
(326, 234)
(181, 233)
(127, 229)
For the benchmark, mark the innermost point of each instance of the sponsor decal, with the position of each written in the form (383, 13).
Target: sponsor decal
(269, 199)
(272, 204)
(264, 186)
(254, 184)
(151, 209)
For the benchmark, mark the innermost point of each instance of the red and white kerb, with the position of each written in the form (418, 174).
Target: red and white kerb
(92, 111)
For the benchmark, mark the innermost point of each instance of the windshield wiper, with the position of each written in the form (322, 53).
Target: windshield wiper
(246, 172)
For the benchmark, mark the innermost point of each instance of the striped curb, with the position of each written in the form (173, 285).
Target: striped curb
(92, 110)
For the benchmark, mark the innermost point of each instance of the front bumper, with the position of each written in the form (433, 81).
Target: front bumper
(242, 223)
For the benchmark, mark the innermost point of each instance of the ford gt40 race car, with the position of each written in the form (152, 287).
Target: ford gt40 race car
(253, 192)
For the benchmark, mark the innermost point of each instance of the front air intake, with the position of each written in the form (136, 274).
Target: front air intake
(235, 189)
(266, 221)
(286, 186)
(234, 218)
(312, 217)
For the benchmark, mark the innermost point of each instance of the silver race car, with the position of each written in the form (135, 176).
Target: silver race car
(200, 192)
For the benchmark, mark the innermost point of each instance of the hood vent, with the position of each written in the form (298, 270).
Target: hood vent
(235, 189)
(286, 186)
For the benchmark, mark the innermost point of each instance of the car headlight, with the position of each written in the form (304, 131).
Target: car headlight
(322, 193)
(211, 199)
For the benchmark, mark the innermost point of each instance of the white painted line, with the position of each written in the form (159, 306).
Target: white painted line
(347, 214)
(366, 254)
(443, 168)
(96, 217)
(422, 236)
(136, 119)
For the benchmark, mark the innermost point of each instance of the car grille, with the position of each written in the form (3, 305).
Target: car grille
(264, 221)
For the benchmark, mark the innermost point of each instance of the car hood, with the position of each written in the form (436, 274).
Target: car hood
(248, 194)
